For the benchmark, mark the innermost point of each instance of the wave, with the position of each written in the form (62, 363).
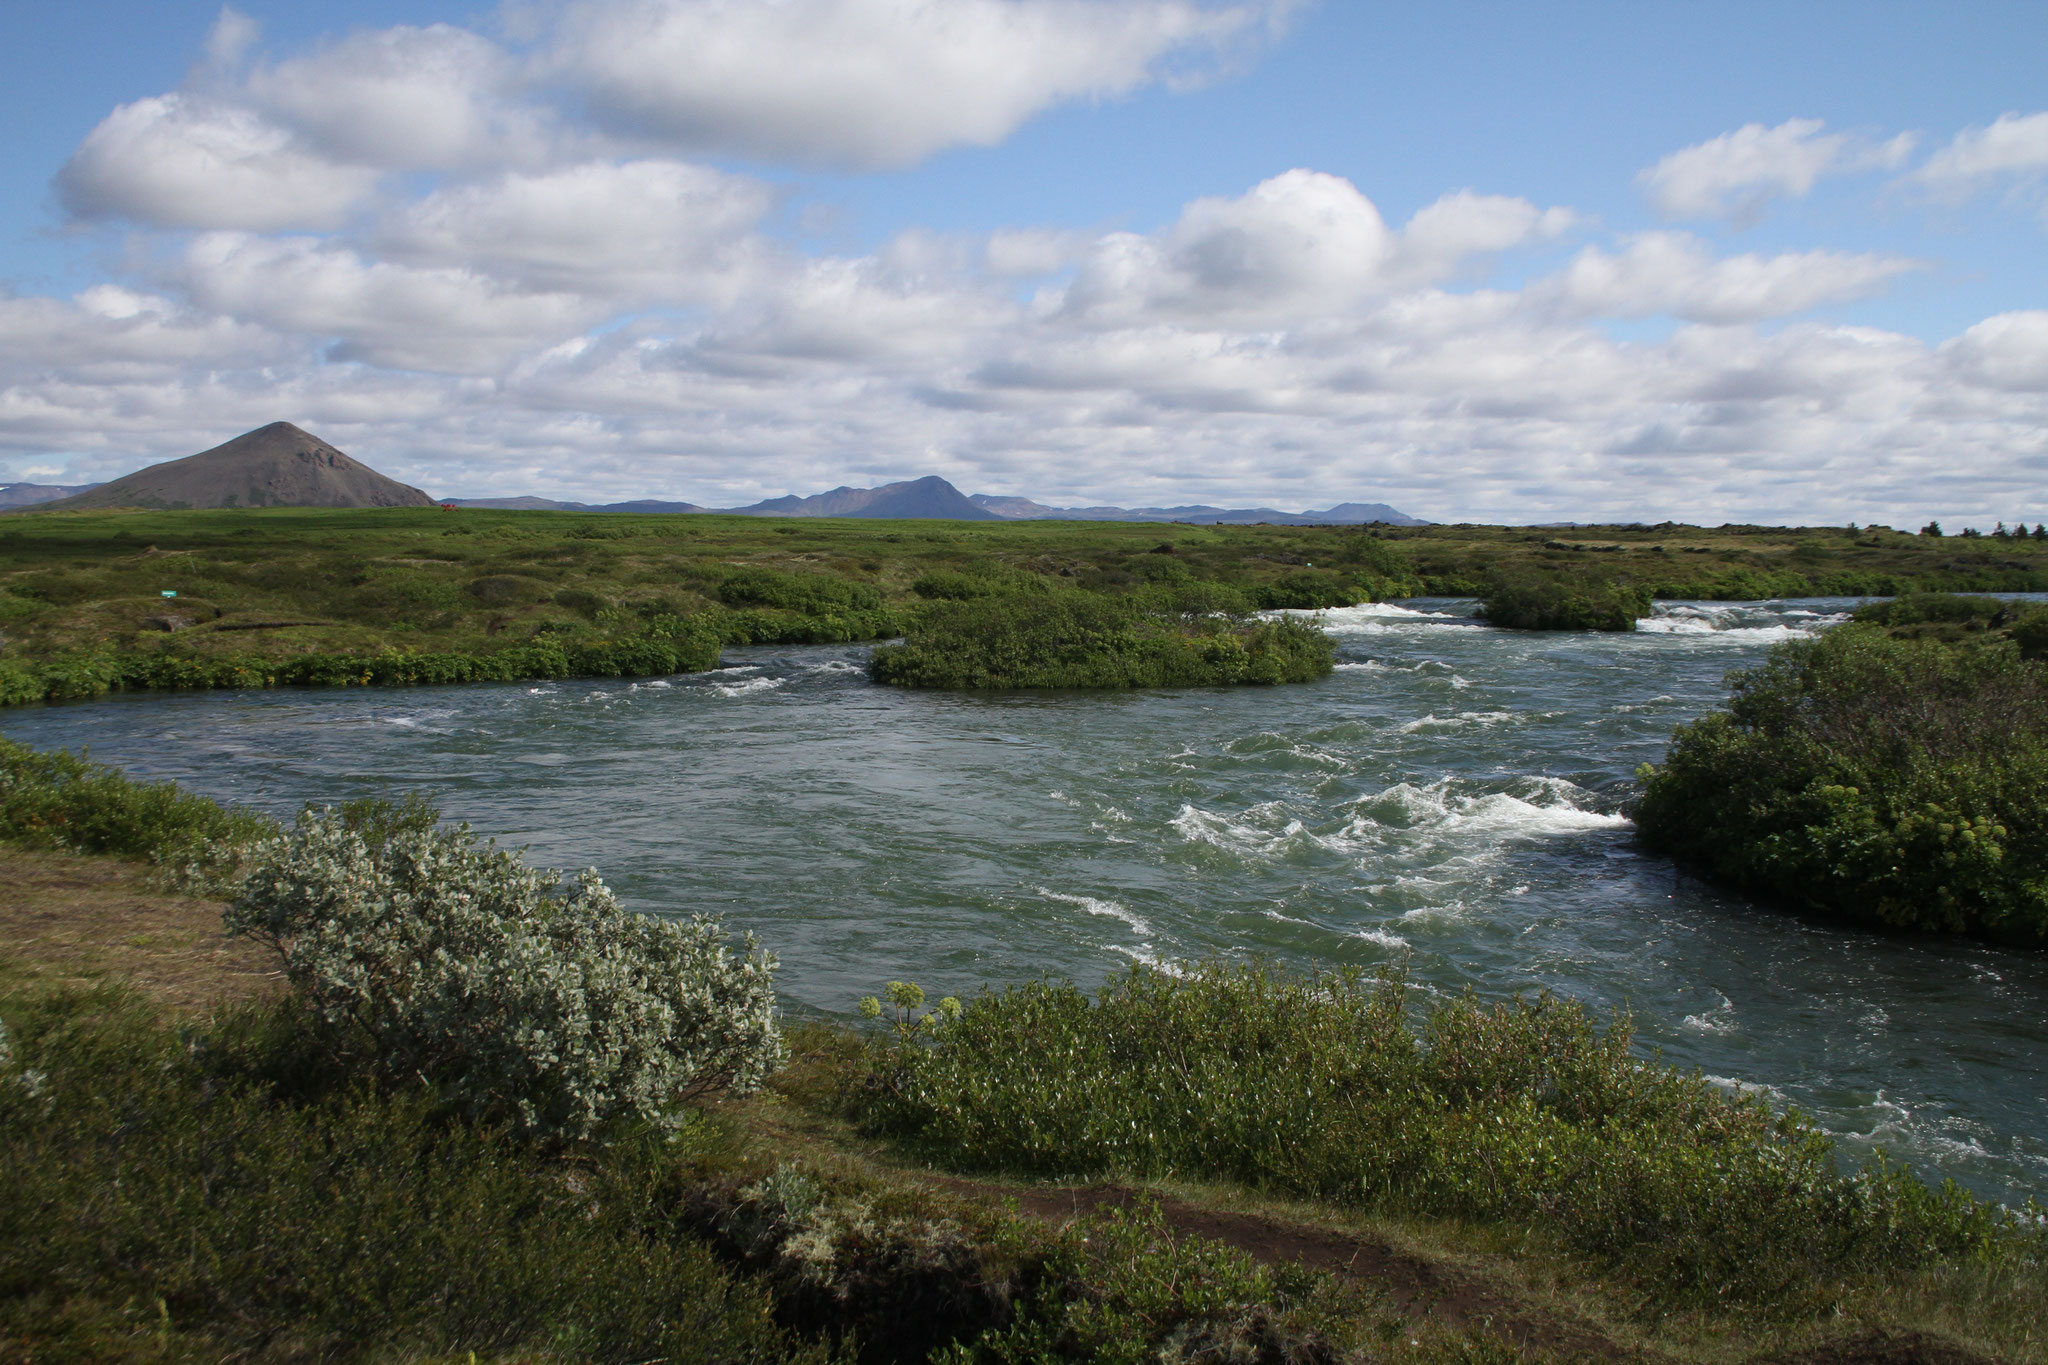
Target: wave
(1463, 720)
(1736, 623)
(748, 686)
(1106, 909)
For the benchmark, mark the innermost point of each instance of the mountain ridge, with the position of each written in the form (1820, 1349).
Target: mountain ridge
(278, 465)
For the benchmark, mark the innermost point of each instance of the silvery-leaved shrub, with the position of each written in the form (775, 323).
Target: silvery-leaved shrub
(430, 954)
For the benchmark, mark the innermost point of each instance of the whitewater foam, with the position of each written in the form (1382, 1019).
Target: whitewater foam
(1106, 909)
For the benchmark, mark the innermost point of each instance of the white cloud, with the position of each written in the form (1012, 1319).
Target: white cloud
(183, 161)
(1734, 175)
(641, 231)
(1302, 244)
(2015, 144)
(2009, 351)
(872, 83)
(446, 318)
(1674, 273)
(404, 99)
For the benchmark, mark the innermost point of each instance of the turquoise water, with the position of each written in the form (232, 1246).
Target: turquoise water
(1451, 796)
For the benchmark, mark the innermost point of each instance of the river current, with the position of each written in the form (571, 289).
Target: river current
(1451, 796)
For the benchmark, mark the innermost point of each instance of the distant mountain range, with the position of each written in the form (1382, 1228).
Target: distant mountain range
(933, 497)
(35, 494)
(282, 466)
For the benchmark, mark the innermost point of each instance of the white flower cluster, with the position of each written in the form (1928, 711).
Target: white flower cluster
(557, 1011)
(27, 1082)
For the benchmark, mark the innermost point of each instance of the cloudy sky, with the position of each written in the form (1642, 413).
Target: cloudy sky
(1483, 261)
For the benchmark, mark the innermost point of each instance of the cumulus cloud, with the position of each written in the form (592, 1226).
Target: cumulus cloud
(184, 161)
(1736, 174)
(872, 83)
(1674, 273)
(639, 231)
(2013, 145)
(1299, 245)
(2009, 351)
(405, 98)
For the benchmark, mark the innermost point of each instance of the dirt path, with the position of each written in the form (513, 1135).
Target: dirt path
(1421, 1288)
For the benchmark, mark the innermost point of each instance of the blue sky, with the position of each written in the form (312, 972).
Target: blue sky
(1751, 262)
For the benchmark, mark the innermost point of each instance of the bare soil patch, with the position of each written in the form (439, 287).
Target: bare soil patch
(68, 920)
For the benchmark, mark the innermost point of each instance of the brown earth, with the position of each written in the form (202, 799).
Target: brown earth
(68, 920)
(274, 466)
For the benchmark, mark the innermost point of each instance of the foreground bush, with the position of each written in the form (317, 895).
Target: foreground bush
(1522, 1113)
(1085, 639)
(199, 1196)
(1562, 604)
(1896, 781)
(424, 954)
(60, 800)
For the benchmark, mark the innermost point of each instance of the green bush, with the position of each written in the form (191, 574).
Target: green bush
(1309, 591)
(1522, 1113)
(1562, 604)
(186, 1195)
(813, 594)
(1900, 781)
(1943, 607)
(60, 800)
(1085, 639)
(424, 954)
(666, 644)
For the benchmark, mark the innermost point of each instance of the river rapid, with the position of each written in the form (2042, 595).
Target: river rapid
(1452, 796)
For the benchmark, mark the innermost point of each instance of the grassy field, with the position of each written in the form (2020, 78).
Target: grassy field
(257, 586)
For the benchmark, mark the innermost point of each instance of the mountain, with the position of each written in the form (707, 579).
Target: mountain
(531, 504)
(930, 496)
(274, 466)
(1343, 514)
(34, 494)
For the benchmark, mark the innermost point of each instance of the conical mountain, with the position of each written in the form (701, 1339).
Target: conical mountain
(274, 466)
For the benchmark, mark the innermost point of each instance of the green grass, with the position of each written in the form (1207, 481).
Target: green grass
(61, 800)
(1893, 771)
(1519, 1114)
(260, 589)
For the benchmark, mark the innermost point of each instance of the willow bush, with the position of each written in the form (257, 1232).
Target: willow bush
(426, 954)
(1319, 1085)
(1167, 635)
(1896, 781)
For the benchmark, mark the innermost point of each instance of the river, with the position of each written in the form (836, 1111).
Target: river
(1450, 796)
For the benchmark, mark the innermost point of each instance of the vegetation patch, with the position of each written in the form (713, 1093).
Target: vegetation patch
(1522, 1114)
(1878, 773)
(1078, 638)
(1564, 604)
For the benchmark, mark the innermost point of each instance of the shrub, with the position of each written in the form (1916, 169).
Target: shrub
(1309, 591)
(1522, 1113)
(558, 1012)
(180, 1194)
(1085, 639)
(1901, 781)
(61, 800)
(1560, 604)
(813, 594)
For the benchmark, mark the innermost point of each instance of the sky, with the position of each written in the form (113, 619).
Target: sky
(1482, 261)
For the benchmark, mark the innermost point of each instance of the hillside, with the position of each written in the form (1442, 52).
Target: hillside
(30, 494)
(929, 497)
(274, 466)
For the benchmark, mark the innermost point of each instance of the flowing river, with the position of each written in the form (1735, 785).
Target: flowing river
(1451, 796)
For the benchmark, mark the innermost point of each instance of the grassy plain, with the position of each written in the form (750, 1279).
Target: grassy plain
(258, 586)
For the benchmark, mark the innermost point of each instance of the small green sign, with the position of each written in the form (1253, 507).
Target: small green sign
(170, 592)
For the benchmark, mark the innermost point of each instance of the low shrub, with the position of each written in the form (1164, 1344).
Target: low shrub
(1522, 1113)
(665, 645)
(1310, 591)
(1086, 639)
(183, 1195)
(62, 800)
(1897, 781)
(425, 954)
(1563, 604)
(811, 594)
